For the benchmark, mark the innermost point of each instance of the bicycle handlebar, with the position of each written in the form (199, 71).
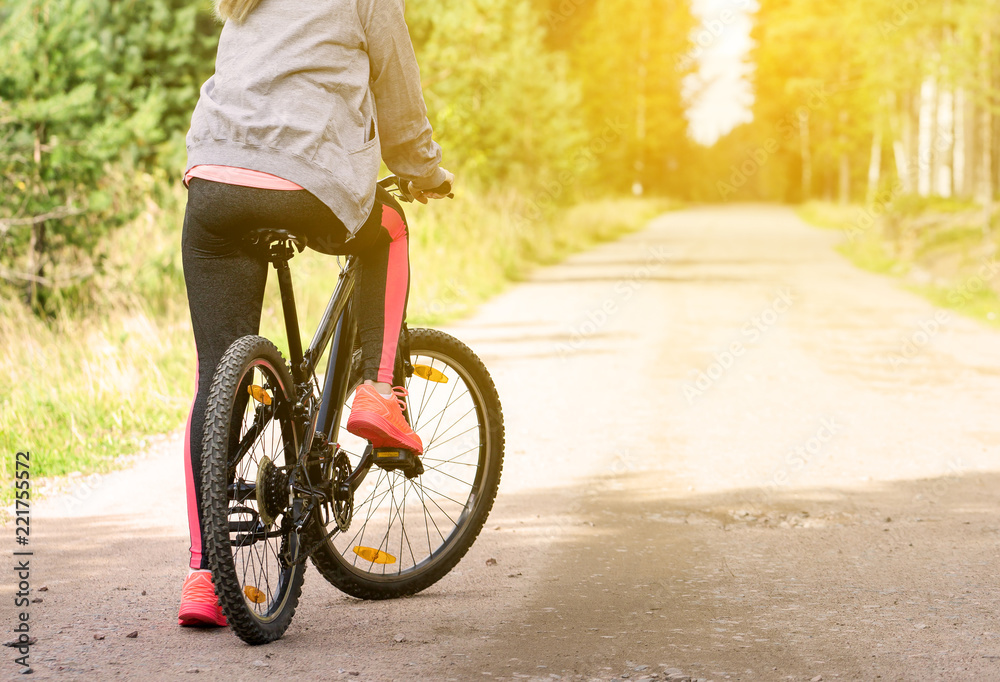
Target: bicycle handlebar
(403, 191)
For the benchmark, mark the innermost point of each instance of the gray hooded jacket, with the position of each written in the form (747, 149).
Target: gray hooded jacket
(316, 93)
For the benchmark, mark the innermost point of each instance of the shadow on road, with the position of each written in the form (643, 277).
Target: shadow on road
(894, 580)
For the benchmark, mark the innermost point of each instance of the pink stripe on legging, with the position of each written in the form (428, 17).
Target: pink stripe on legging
(396, 281)
(194, 527)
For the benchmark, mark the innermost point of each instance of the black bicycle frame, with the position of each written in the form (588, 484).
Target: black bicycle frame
(339, 321)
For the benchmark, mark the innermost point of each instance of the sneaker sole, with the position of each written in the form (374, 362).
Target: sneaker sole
(201, 615)
(377, 429)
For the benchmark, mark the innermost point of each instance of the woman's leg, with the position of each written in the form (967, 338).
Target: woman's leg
(225, 289)
(376, 413)
(225, 285)
(383, 291)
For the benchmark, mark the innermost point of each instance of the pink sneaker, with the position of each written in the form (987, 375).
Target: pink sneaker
(199, 605)
(380, 420)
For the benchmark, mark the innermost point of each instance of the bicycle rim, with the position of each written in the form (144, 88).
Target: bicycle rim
(257, 492)
(402, 528)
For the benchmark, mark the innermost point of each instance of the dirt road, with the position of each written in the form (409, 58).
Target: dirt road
(731, 455)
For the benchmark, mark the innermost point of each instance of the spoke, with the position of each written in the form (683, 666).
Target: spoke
(441, 494)
(445, 473)
(256, 550)
(474, 426)
(388, 527)
(371, 512)
(427, 530)
(440, 413)
(264, 569)
(243, 554)
(452, 459)
(448, 461)
(252, 551)
(434, 502)
(402, 527)
(454, 423)
(436, 527)
(263, 432)
(426, 397)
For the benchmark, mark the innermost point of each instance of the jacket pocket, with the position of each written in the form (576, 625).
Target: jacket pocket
(367, 146)
(364, 165)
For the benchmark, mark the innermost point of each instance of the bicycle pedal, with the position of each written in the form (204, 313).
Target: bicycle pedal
(391, 459)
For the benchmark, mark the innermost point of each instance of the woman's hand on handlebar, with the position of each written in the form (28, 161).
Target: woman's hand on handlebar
(442, 191)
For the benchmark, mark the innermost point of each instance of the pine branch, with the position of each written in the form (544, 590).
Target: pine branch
(57, 214)
(14, 276)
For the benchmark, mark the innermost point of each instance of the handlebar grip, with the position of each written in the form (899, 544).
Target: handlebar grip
(444, 188)
(403, 186)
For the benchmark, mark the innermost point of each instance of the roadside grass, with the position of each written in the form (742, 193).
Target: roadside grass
(936, 247)
(862, 244)
(85, 391)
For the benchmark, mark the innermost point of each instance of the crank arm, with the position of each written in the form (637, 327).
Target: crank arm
(357, 476)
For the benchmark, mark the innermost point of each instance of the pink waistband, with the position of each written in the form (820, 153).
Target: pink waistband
(244, 177)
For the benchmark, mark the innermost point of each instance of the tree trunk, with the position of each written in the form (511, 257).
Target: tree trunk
(970, 145)
(36, 267)
(844, 179)
(899, 111)
(875, 158)
(960, 149)
(640, 109)
(826, 162)
(911, 134)
(985, 191)
(925, 138)
(806, 154)
(844, 165)
(944, 143)
(945, 173)
(935, 156)
(36, 244)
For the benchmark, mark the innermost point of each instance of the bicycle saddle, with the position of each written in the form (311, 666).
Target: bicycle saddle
(267, 236)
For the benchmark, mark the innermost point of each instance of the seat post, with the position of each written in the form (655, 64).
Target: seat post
(280, 256)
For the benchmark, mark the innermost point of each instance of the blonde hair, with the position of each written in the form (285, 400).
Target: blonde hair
(237, 10)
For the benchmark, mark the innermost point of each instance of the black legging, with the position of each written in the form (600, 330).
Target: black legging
(225, 279)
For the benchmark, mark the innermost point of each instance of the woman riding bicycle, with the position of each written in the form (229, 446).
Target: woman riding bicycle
(288, 133)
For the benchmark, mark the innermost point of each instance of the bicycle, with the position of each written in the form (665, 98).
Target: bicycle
(278, 488)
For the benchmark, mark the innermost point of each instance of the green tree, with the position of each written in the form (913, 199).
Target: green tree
(910, 97)
(92, 93)
(502, 105)
(628, 57)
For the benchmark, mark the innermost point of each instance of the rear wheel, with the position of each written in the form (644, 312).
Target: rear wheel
(250, 448)
(406, 534)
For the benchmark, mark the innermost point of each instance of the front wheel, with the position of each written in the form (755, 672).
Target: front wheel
(250, 449)
(406, 534)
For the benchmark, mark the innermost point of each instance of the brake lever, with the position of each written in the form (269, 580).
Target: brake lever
(404, 193)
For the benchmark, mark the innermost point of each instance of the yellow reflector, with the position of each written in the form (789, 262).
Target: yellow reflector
(376, 556)
(259, 394)
(254, 595)
(430, 374)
